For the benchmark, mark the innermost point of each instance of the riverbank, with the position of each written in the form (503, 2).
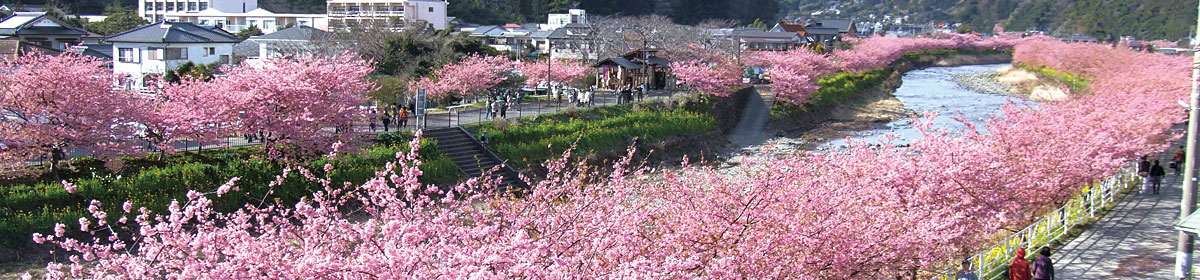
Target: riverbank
(871, 109)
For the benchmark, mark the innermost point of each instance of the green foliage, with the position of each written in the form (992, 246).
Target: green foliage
(249, 31)
(119, 20)
(153, 183)
(757, 24)
(600, 129)
(202, 72)
(1076, 83)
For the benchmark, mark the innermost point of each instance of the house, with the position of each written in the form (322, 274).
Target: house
(10, 49)
(40, 29)
(393, 14)
(757, 40)
(298, 40)
(784, 26)
(634, 68)
(162, 46)
(845, 28)
(556, 21)
(826, 36)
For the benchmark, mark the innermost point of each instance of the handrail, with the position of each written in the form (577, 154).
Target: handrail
(992, 262)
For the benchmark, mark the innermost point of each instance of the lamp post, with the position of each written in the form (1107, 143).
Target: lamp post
(1183, 254)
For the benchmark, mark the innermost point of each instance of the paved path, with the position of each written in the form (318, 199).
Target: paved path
(1133, 241)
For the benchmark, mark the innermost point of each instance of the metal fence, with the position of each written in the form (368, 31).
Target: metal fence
(992, 263)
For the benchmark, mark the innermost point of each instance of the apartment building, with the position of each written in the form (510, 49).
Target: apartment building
(394, 14)
(231, 15)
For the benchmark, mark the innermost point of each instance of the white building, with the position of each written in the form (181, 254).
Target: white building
(231, 15)
(156, 48)
(395, 14)
(299, 40)
(556, 21)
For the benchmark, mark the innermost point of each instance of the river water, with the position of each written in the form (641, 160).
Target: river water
(934, 90)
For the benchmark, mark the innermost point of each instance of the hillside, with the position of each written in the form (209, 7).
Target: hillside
(1160, 19)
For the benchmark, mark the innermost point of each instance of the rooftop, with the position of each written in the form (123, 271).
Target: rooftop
(173, 32)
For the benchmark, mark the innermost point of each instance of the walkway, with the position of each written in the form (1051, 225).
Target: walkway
(1135, 240)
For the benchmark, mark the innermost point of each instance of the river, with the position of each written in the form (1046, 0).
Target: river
(934, 90)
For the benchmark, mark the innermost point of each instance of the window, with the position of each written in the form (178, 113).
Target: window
(252, 22)
(158, 6)
(127, 55)
(303, 23)
(149, 5)
(191, 6)
(203, 5)
(430, 9)
(154, 53)
(171, 6)
(210, 51)
(175, 53)
(353, 10)
(204, 22)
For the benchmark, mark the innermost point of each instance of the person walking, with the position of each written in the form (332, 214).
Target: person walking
(374, 116)
(1144, 171)
(965, 272)
(1019, 268)
(642, 92)
(496, 107)
(503, 106)
(1177, 160)
(387, 120)
(1156, 175)
(402, 119)
(1043, 268)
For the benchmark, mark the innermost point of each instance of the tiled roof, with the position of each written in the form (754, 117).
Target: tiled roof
(21, 23)
(173, 32)
(297, 33)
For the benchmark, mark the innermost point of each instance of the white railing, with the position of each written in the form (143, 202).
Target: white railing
(993, 262)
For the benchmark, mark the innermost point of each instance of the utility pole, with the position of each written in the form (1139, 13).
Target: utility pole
(1183, 254)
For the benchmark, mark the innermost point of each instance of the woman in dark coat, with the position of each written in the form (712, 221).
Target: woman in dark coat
(1043, 268)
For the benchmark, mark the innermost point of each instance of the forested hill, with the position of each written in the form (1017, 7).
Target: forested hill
(1145, 19)
(1157, 19)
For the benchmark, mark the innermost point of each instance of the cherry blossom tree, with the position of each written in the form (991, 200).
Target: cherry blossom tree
(467, 77)
(564, 71)
(871, 211)
(302, 104)
(794, 73)
(706, 70)
(54, 104)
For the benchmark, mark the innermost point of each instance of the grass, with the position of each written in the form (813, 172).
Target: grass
(600, 129)
(29, 208)
(1075, 82)
(834, 90)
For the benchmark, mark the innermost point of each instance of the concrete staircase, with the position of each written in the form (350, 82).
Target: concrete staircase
(471, 156)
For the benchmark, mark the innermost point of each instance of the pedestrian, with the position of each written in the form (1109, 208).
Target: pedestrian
(483, 138)
(1043, 268)
(496, 107)
(372, 123)
(1177, 160)
(402, 119)
(1019, 268)
(641, 92)
(965, 272)
(1156, 176)
(1144, 171)
(387, 120)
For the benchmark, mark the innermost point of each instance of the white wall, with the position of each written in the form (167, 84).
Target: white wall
(142, 65)
(420, 10)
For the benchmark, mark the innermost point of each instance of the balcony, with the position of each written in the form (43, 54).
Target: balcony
(234, 28)
(366, 13)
